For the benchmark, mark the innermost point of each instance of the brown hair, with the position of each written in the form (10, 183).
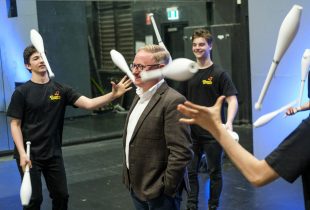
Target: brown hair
(28, 52)
(204, 33)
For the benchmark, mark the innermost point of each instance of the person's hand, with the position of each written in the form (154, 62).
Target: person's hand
(228, 126)
(24, 160)
(122, 87)
(291, 111)
(208, 118)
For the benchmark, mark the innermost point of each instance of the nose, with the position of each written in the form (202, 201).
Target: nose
(41, 59)
(135, 70)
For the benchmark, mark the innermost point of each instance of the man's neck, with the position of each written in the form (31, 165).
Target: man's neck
(204, 63)
(40, 78)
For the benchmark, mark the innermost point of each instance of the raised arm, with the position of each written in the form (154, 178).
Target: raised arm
(257, 172)
(94, 103)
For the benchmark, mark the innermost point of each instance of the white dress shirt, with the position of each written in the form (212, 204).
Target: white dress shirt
(145, 98)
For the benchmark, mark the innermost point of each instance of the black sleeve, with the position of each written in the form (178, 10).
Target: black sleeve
(71, 95)
(227, 86)
(16, 106)
(292, 157)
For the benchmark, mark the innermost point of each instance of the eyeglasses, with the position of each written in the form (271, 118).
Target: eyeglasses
(141, 67)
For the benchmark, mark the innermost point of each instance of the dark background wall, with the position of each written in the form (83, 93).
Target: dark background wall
(227, 21)
(64, 28)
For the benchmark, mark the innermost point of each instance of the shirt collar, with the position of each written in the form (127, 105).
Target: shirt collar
(150, 92)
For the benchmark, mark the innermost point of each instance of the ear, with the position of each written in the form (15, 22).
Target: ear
(211, 45)
(28, 66)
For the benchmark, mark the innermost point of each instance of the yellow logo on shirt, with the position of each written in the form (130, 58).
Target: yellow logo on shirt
(55, 96)
(208, 81)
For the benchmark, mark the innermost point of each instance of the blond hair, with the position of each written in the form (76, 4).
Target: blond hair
(159, 53)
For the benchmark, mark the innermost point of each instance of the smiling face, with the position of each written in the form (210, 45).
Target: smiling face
(201, 48)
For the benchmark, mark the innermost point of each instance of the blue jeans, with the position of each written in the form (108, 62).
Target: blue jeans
(162, 202)
(214, 154)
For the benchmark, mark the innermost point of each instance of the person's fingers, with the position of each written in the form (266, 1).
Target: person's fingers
(114, 86)
(127, 82)
(184, 109)
(192, 105)
(30, 164)
(129, 88)
(187, 121)
(123, 79)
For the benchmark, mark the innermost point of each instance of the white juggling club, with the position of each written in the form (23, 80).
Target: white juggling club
(119, 60)
(268, 117)
(26, 188)
(37, 41)
(305, 63)
(286, 35)
(180, 69)
(159, 40)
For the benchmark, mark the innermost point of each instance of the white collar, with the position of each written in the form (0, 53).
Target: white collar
(150, 92)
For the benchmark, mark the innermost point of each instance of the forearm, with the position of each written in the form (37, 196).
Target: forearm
(304, 107)
(94, 103)
(232, 108)
(257, 172)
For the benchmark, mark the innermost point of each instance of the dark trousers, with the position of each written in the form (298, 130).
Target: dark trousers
(214, 154)
(163, 202)
(54, 174)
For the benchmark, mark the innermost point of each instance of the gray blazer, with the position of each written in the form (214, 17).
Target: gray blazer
(160, 148)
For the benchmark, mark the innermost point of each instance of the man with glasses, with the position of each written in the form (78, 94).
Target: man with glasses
(157, 148)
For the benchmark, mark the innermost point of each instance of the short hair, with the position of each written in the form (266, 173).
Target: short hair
(161, 55)
(28, 52)
(204, 33)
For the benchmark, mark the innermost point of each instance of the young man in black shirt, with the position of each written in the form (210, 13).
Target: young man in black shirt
(37, 110)
(204, 88)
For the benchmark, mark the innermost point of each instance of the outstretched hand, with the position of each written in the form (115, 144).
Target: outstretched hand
(121, 88)
(291, 111)
(208, 118)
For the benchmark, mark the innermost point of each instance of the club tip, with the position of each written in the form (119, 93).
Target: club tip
(298, 7)
(258, 106)
(256, 125)
(193, 67)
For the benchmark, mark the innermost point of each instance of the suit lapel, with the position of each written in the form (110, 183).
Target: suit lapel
(154, 100)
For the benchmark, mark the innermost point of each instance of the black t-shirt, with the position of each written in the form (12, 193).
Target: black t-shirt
(204, 88)
(41, 109)
(292, 158)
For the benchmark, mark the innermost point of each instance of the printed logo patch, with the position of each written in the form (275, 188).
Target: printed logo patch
(208, 81)
(55, 96)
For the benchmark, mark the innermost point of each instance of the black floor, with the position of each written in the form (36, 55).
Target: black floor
(93, 160)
